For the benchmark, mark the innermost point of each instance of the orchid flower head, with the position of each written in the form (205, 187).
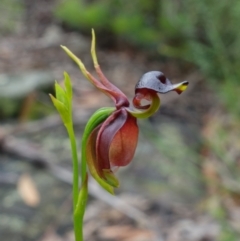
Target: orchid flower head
(111, 134)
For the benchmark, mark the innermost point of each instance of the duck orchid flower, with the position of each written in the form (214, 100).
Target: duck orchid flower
(111, 134)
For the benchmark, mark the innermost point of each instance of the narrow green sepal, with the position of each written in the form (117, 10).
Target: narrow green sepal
(76, 60)
(93, 49)
(110, 178)
(102, 182)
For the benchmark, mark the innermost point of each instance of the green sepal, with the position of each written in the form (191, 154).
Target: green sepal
(77, 61)
(110, 178)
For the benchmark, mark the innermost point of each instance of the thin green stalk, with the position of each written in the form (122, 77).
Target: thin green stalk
(79, 199)
(80, 210)
(83, 170)
(75, 164)
(78, 227)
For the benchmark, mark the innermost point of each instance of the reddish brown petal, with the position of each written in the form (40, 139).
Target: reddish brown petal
(110, 90)
(124, 143)
(104, 177)
(119, 97)
(105, 136)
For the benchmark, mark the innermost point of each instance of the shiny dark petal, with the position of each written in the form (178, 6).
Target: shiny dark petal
(156, 80)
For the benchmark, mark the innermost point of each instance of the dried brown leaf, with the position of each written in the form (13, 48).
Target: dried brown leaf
(28, 190)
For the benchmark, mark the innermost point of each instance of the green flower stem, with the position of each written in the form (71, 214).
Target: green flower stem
(79, 199)
(80, 210)
(75, 164)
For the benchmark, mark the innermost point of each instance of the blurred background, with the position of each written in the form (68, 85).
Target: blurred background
(184, 182)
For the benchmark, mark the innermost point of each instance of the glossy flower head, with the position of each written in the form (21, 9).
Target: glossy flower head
(111, 134)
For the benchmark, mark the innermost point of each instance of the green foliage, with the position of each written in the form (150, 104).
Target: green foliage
(202, 32)
(212, 45)
(8, 107)
(63, 99)
(80, 15)
(10, 13)
(123, 18)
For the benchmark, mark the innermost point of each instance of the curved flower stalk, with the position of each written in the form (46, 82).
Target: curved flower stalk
(111, 134)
